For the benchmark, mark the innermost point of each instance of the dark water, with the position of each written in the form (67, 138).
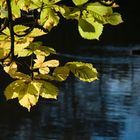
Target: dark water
(108, 109)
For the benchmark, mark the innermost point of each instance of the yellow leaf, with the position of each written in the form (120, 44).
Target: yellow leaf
(29, 95)
(52, 63)
(44, 70)
(48, 91)
(11, 69)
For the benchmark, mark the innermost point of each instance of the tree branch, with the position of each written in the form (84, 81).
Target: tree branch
(10, 24)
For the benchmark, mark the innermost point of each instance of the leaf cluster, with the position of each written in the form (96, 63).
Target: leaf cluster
(44, 15)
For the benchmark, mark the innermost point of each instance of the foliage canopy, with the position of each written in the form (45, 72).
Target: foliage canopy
(23, 20)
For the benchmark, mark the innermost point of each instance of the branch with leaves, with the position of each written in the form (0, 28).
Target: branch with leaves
(17, 41)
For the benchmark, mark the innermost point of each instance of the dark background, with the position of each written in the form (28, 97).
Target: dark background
(127, 33)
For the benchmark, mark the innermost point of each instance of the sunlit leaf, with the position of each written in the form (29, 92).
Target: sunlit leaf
(20, 29)
(114, 19)
(24, 53)
(36, 32)
(15, 9)
(41, 65)
(99, 9)
(13, 89)
(89, 29)
(6, 31)
(48, 91)
(39, 49)
(4, 48)
(84, 71)
(44, 77)
(49, 18)
(79, 2)
(52, 63)
(29, 95)
(61, 73)
(21, 76)
(11, 69)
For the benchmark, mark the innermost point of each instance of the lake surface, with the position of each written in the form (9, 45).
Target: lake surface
(107, 109)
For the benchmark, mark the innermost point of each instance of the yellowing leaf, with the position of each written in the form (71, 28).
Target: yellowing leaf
(36, 32)
(61, 73)
(52, 63)
(48, 91)
(13, 89)
(11, 69)
(21, 76)
(49, 18)
(39, 61)
(29, 95)
(20, 29)
(44, 70)
(84, 71)
(4, 48)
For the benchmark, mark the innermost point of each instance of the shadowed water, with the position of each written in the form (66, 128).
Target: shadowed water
(107, 109)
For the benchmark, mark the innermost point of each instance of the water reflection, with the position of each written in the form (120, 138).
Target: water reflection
(108, 109)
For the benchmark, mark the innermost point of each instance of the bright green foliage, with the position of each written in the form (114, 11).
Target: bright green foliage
(27, 88)
(90, 29)
(84, 71)
(79, 2)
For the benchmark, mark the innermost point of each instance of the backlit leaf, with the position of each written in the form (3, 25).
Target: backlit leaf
(114, 19)
(20, 29)
(15, 9)
(61, 73)
(48, 91)
(79, 2)
(89, 29)
(99, 9)
(36, 32)
(11, 69)
(29, 95)
(84, 71)
(49, 18)
(13, 89)
(52, 63)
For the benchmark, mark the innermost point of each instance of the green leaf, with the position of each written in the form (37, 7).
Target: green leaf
(61, 73)
(89, 29)
(74, 13)
(84, 71)
(79, 2)
(36, 33)
(6, 31)
(3, 11)
(20, 29)
(24, 53)
(48, 18)
(99, 9)
(15, 9)
(3, 37)
(114, 19)
(44, 77)
(48, 90)
(13, 89)
(39, 49)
